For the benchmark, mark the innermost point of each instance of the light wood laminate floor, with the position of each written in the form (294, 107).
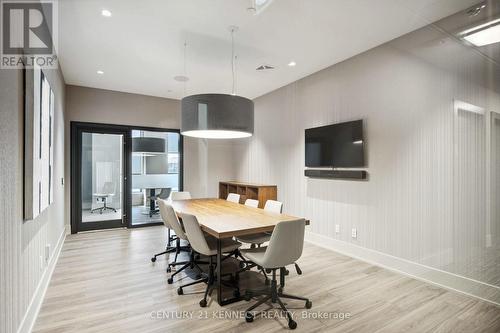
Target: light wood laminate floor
(105, 282)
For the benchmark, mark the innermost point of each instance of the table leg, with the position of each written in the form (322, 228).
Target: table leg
(219, 272)
(151, 201)
(282, 277)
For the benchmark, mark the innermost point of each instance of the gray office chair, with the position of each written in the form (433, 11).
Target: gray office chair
(256, 240)
(168, 220)
(108, 191)
(285, 247)
(173, 197)
(233, 197)
(170, 217)
(206, 245)
(164, 194)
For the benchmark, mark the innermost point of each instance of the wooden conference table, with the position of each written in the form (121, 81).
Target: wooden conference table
(224, 219)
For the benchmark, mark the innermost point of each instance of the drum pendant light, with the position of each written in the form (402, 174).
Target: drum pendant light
(218, 116)
(148, 146)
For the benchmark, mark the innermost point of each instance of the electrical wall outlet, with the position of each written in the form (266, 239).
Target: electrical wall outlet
(337, 228)
(354, 233)
(47, 252)
(488, 240)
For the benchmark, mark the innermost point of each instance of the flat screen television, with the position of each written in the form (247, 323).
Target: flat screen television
(338, 145)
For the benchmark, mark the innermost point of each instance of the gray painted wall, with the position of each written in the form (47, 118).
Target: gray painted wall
(422, 202)
(204, 162)
(22, 243)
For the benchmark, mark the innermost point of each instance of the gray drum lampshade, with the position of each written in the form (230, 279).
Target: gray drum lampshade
(217, 116)
(148, 146)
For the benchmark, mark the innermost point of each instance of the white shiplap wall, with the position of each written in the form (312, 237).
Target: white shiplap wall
(412, 207)
(22, 243)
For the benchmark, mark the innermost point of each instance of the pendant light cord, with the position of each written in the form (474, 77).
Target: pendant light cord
(233, 65)
(185, 66)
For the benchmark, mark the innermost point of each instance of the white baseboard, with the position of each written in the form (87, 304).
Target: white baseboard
(36, 302)
(471, 287)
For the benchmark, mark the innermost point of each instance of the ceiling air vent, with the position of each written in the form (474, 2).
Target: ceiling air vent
(474, 11)
(264, 68)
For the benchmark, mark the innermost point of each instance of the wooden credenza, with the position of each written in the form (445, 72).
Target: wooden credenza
(249, 191)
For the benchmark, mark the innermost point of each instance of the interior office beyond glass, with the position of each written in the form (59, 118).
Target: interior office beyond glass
(154, 175)
(102, 174)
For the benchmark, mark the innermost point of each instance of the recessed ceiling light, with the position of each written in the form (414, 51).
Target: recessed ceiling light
(292, 63)
(106, 13)
(259, 5)
(100, 72)
(483, 34)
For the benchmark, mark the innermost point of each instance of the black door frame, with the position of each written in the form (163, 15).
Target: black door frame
(75, 152)
(129, 155)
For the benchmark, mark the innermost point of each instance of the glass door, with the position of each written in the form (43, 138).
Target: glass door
(119, 172)
(156, 172)
(101, 175)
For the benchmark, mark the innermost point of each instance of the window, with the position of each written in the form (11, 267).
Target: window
(173, 163)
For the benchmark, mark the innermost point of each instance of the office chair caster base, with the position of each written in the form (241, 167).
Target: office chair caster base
(309, 304)
(170, 280)
(153, 259)
(292, 324)
(203, 303)
(242, 264)
(297, 268)
(248, 296)
(180, 291)
(248, 317)
(169, 269)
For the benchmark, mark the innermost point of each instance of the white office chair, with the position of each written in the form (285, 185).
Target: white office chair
(108, 191)
(233, 197)
(285, 247)
(273, 206)
(252, 203)
(180, 196)
(260, 238)
(170, 218)
(206, 245)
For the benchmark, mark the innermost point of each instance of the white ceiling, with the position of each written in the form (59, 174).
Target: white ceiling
(140, 48)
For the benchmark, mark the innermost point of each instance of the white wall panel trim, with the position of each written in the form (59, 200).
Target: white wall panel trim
(471, 287)
(31, 314)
